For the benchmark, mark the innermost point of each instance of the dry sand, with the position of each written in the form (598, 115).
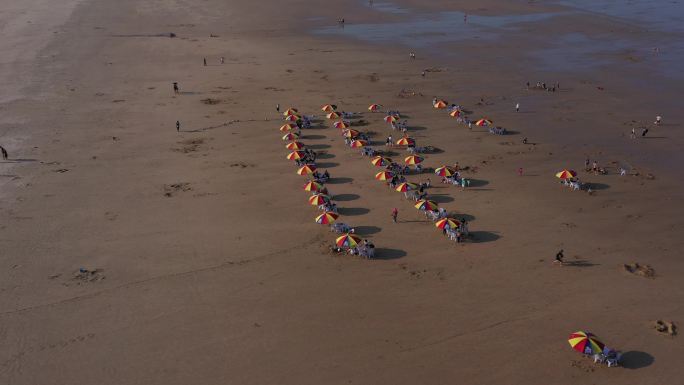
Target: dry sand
(210, 267)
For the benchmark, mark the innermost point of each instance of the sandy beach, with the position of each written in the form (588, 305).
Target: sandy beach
(204, 263)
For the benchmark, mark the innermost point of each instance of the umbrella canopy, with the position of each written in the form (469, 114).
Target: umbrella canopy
(359, 143)
(425, 204)
(374, 107)
(379, 161)
(455, 113)
(413, 159)
(290, 136)
(290, 111)
(292, 118)
(405, 141)
(306, 169)
(313, 186)
(390, 119)
(444, 171)
(333, 115)
(384, 175)
(406, 186)
(328, 108)
(326, 218)
(347, 240)
(318, 199)
(294, 146)
(483, 122)
(351, 133)
(440, 104)
(341, 124)
(448, 223)
(296, 155)
(585, 342)
(566, 174)
(288, 127)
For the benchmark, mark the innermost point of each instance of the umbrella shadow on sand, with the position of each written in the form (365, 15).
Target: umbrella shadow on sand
(385, 253)
(318, 146)
(313, 137)
(366, 230)
(345, 197)
(327, 165)
(483, 236)
(339, 180)
(440, 198)
(598, 186)
(636, 360)
(325, 156)
(478, 182)
(353, 210)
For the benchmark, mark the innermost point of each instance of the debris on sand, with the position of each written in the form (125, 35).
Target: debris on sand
(171, 189)
(189, 145)
(665, 327)
(84, 276)
(211, 101)
(645, 271)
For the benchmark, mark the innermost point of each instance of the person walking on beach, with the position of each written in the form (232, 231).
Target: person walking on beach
(559, 257)
(633, 134)
(422, 74)
(586, 164)
(520, 171)
(177, 125)
(223, 60)
(395, 212)
(4, 153)
(659, 120)
(517, 107)
(644, 131)
(205, 62)
(278, 107)
(175, 88)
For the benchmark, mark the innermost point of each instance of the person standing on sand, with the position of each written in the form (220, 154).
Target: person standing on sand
(395, 212)
(659, 120)
(586, 164)
(633, 134)
(4, 153)
(644, 131)
(520, 171)
(278, 107)
(177, 125)
(422, 74)
(517, 107)
(175, 88)
(559, 257)
(223, 60)
(205, 62)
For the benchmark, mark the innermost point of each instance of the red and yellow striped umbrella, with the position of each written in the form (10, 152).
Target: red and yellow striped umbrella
(440, 104)
(379, 161)
(333, 115)
(341, 124)
(448, 223)
(294, 146)
(425, 204)
(444, 171)
(326, 218)
(318, 199)
(306, 169)
(351, 133)
(390, 119)
(328, 108)
(374, 107)
(455, 113)
(290, 136)
(347, 240)
(484, 122)
(296, 155)
(290, 111)
(358, 143)
(288, 127)
(585, 343)
(406, 186)
(384, 175)
(413, 159)
(405, 141)
(292, 118)
(566, 174)
(313, 186)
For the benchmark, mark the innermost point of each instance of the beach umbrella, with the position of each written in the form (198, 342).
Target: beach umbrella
(290, 136)
(326, 218)
(448, 223)
(425, 204)
(374, 107)
(413, 159)
(455, 113)
(406, 186)
(318, 199)
(350, 133)
(347, 240)
(294, 146)
(444, 171)
(292, 118)
(328, 108)
(313, 186)
(566, 174)
(585, 343)
(405, 141)
(288, 127)
(390, 119)
(290, 111)
(306, 169)
(379, 161)
(358, 143)
(384, 175)
(483, 122)
(296, 155)
(341, 124)
(333, 115)
(440, 104)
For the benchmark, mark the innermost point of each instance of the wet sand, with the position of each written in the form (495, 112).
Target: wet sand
(210, 268)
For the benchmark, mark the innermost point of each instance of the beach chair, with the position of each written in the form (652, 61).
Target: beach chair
(614, 361)
(599, 358)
